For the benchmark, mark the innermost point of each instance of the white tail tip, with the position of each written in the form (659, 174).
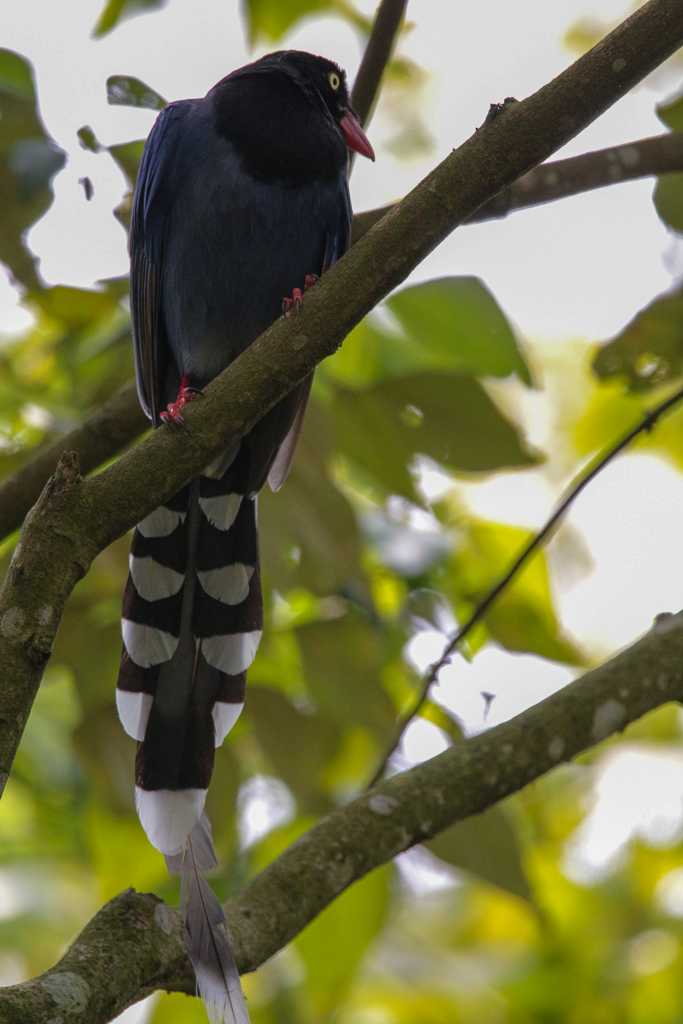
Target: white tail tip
(169, 815)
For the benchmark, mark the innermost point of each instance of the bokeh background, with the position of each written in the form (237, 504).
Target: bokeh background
(439, 436)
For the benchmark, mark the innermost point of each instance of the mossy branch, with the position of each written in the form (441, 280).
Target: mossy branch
(133, 944)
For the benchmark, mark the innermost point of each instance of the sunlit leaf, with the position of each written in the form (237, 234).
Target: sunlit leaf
(309, 532)
(29, 160)
(458, 325)
(668, 200)
(523, 617)
(128, 91)
(298, 743)
(446, 416)
(485, 845)
(271, 19)
(449, 324)
(670, 113)
(649, 350)
(128, 155)
(333, 947)
(116, 11)
(343, 661)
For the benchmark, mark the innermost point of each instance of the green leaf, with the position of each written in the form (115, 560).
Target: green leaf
(128, 91)
(29, 160)
(668, 200)
(457, 325)
(335, 945)
(308, 530)
(670, 113)
(128, 155)
(649, 350)
(343, 661)
(452, 324)
(75, 307)
(299, 744)
(486, 846)
(118, 10)
(271, 19)
(88, 139)
(523, 617)
(16, 77)
(445, 416)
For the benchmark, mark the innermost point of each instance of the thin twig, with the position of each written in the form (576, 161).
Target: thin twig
(537, 541)
(376, 57)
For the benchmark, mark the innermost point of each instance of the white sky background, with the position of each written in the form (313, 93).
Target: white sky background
(578, 268)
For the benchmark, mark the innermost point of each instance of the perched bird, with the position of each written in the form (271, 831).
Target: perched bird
(241, 203)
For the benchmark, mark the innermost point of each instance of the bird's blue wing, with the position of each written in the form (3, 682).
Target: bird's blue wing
(336, 243)
(152, 201)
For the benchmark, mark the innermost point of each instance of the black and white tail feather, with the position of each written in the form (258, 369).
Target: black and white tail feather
(192, 619)
(206, 939)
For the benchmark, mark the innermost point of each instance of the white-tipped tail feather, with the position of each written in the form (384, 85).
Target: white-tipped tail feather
(224, 717)
(221, 511)
(231, 653)
(161, 522)
(147, 645)
(169, 815)
(230, 584)
(153, 581)
(133, 709)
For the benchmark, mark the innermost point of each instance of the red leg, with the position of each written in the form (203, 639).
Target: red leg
(292, 304)
(173, 413)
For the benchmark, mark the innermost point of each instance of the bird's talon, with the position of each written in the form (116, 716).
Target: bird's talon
(294, 303)
(172, 414)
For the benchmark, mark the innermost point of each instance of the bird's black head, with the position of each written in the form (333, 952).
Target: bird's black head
(290, 116)
(323, 80)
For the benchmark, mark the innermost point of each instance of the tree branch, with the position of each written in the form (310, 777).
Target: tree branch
(103, 434)
(538, 541)
(133, 944)
(377, 54)
(74, 519)
(119, 421)
(644, 158)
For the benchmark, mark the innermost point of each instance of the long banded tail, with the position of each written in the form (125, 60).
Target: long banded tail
(192, 621)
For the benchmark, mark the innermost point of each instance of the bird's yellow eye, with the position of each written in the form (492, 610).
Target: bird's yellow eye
(334, 80)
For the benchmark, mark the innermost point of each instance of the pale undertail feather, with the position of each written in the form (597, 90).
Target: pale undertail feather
(206, 935)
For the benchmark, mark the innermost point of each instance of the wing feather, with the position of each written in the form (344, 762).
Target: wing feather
(151, 204)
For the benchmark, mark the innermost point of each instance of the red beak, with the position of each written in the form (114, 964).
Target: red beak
(354, 135)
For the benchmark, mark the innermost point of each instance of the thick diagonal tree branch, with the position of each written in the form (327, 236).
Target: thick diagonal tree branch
(119, 421)
(133, 944)
(78, 518)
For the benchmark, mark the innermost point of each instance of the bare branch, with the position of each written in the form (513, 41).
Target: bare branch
(646, 424)
(377, 54)
(119, 421)
(659, 155)
(103, 434)
(133, 944)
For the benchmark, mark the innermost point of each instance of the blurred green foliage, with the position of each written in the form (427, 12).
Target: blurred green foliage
(488, 923)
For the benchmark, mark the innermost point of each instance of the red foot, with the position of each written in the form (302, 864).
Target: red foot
(173, 413)
(292, 304)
